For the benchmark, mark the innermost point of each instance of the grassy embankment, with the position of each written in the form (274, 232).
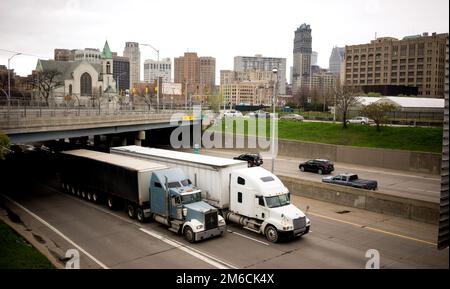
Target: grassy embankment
(17, 253)
(427, 139)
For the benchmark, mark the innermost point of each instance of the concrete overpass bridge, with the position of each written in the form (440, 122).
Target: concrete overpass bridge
(33, 124)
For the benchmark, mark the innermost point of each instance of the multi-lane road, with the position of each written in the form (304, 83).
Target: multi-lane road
(419, 186)
(108, 239)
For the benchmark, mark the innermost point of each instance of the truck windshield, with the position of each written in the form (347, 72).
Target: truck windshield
(174, 185)
(191, 198)
(277, 201)
(186, 182)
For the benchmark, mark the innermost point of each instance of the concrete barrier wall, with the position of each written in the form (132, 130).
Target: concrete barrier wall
(422, 162)
(368, 200)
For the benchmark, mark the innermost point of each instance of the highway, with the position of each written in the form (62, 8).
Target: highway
(419, 186)
(108, 239)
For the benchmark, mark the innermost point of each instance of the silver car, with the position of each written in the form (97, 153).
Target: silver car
(359, 120)
(293, 116)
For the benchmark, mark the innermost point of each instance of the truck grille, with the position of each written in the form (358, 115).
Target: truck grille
(211, 220)
(299, 223)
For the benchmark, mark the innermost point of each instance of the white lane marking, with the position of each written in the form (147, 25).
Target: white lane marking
(250, 238)
(57, 232)
(197, 254)
(419, 190)
(152, 233)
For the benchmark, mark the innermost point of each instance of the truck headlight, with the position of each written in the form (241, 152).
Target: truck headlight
(184, 212)
(221, 221)
(285, 221)
(199, 227)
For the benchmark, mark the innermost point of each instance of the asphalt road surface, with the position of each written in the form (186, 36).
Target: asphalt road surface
(108, 239)
(405, 184)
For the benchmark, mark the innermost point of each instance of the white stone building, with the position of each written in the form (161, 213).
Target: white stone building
(154, 69)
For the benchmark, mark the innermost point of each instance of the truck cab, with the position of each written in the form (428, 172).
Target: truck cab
(176, 202)
(264, 202)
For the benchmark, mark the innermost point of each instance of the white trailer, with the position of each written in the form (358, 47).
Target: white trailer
(252, 197)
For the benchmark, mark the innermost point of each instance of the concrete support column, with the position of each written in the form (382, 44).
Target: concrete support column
(97, 140)
(140, 136)
(124, 141)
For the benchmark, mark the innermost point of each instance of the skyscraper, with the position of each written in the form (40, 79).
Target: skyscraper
(302, 56)
(197, 74)
(121, 72)
(207, 74)
(260, 63)
(336, 60)
(134, 55)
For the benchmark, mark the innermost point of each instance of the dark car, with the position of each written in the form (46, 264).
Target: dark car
(317, 166)
(351, 180)
(253, 160)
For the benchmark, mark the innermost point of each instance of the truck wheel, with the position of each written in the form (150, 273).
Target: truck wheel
(320, 171)
(110, 202)
(131, 211)
(271, 234)
(302, 168)
(188, 234)
(140, 215)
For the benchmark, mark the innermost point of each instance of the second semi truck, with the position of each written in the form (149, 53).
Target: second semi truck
(146, 189)
(251, 197)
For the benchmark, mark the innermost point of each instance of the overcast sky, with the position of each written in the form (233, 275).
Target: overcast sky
(218, 28)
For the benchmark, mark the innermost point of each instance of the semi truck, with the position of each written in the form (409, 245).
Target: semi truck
(147, 190)
(252, 197)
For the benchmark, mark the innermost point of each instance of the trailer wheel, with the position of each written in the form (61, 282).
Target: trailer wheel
(131, 211)
(188, 234)
(95, 197)
(140, 215)
(271, 234)
(110, 202)
(89, 196)
(83, 194)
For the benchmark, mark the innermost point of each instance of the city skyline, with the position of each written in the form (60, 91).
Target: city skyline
(75, 24)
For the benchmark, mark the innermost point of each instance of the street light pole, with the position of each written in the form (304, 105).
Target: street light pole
(9, 79)
(158, 75)
(275, 71)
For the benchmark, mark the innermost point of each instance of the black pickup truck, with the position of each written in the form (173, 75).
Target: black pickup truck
(351, 180)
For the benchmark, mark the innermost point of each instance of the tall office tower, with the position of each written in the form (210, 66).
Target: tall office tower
(207, 74)
(336, 60)
(302, 57)
(187, 72)
(154, 69)
(121, 71)
(260, 63)
(134, 55)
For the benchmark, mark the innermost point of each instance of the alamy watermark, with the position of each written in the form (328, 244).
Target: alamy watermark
(374, 259)
(227, 132)
(73, 259)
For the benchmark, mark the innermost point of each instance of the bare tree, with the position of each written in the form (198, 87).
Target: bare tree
(345, 97)
(47, 81)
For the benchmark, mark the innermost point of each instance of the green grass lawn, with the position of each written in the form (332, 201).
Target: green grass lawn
(17, 253)
(427, 139)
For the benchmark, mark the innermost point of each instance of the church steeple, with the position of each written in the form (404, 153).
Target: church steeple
(106, 53)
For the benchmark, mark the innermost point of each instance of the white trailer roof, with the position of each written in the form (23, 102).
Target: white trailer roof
(404, 101)
(118, 160)
(181, 156)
